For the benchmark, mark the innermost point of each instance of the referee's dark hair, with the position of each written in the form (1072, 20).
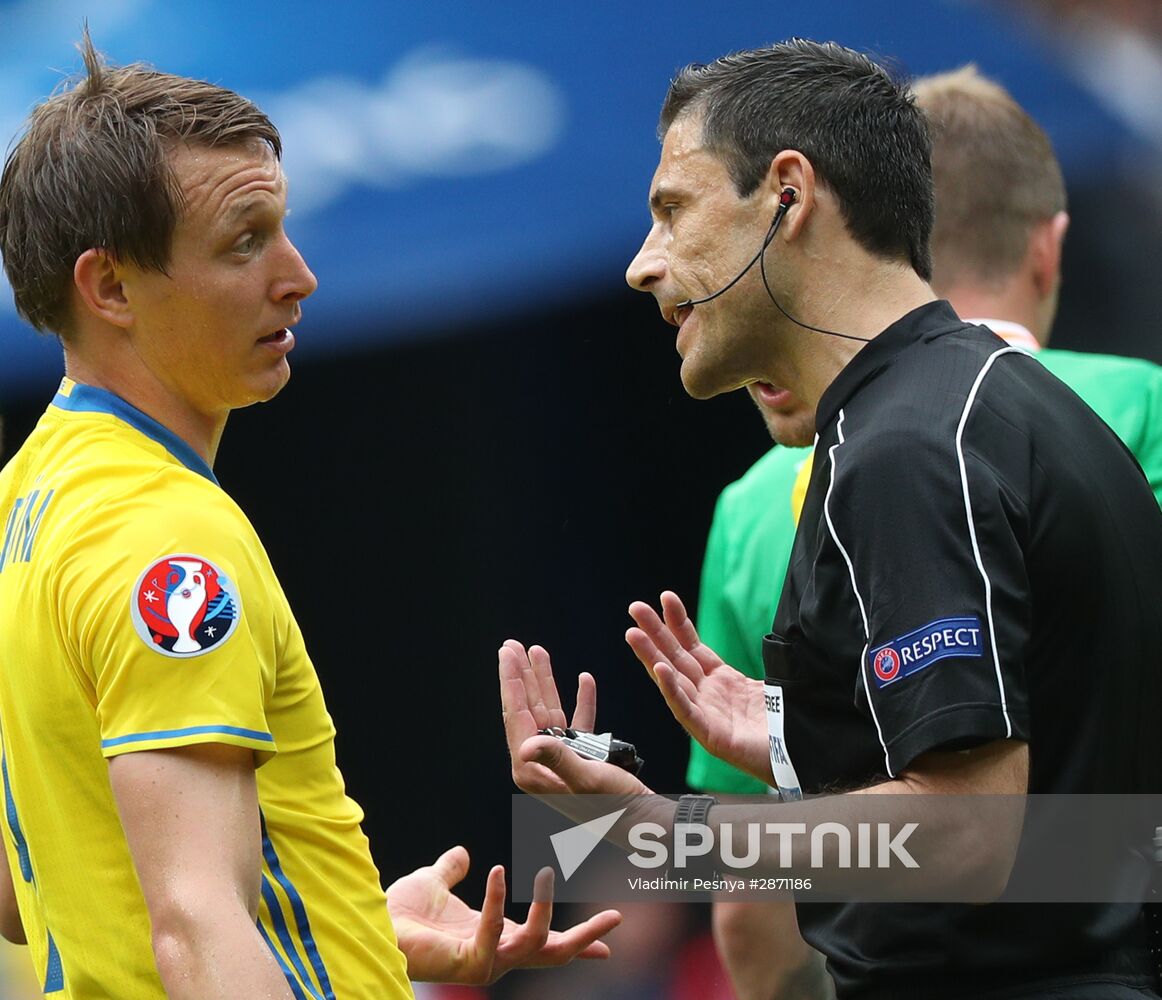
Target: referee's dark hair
(93, 171)
(859, 128)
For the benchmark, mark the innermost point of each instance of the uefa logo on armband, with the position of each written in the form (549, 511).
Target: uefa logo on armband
(886, 664)
(183, 605)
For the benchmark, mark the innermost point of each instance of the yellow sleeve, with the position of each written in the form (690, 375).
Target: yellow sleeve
(168, 617)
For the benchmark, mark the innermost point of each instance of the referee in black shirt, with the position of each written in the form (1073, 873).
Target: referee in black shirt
(974, 601)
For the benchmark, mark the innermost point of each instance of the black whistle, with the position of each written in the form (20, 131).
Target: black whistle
(596, 746)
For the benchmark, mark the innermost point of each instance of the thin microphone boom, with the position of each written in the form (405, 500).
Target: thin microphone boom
(785, 200)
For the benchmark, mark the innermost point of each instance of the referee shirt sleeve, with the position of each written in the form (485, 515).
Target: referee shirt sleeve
(148, 698)
(932, 539)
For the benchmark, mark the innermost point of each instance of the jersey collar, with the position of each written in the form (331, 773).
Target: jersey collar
(79, 398)
(923, 323)
(1011, 333)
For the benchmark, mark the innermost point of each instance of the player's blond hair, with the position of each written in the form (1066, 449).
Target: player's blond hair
(93, 171)
(994, 173)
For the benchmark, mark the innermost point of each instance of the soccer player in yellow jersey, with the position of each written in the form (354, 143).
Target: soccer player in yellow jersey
(174, 821)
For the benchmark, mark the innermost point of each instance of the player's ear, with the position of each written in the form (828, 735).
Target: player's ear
(97, 279)
(1045, 243)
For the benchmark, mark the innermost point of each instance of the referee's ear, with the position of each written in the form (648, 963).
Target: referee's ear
(790, 169)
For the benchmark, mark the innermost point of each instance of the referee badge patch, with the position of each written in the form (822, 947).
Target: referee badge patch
(183, 606)
(926, 645)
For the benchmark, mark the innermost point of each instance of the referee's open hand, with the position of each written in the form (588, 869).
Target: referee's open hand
(543, 765)
(719, 706)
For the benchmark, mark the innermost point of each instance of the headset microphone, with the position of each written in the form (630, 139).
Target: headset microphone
(786, 199)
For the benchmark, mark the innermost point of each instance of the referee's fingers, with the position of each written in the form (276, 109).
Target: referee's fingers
(678, 620)
(563, 762)
(585, 714)
(644, 649)
(681, 705)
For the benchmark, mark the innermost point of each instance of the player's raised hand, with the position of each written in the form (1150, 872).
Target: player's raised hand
(445, 940)
(719, 706)
(530, 702)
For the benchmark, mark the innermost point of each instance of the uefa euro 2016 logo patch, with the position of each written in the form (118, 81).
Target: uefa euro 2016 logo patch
(183, 605)
(935, 641)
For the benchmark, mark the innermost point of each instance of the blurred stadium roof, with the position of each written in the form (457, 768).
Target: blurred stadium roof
(454, 162)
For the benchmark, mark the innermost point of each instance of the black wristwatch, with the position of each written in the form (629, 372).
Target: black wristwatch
(694, 809)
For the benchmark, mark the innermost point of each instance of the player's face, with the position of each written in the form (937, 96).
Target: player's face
(214, 329)
(702, 235)
(789, 420)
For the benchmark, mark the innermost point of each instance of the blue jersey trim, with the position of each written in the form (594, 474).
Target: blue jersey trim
(54, 975)
(284, 935)
(299, 910)
(165, 734)
(296, 989)
(18, 840)
(90, 399)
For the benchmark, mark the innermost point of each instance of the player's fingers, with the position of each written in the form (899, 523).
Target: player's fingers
(585, 715)
(598, 949)
(522, 944)
(491, 924)
(451, 866)
(540, 916)
(581, 940)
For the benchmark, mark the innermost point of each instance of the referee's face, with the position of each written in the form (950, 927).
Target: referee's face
(703, 234)
(214, 329)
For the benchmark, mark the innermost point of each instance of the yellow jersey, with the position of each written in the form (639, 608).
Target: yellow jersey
(139, 611)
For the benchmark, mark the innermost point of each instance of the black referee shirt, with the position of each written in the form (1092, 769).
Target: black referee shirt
(978, 558)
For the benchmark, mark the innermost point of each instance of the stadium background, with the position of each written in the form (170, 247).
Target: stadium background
(485, 435)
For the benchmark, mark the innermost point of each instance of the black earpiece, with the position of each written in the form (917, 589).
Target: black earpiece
(787, 197)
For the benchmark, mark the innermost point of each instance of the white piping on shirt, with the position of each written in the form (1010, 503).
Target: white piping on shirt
(988, 587)
(854, 588)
